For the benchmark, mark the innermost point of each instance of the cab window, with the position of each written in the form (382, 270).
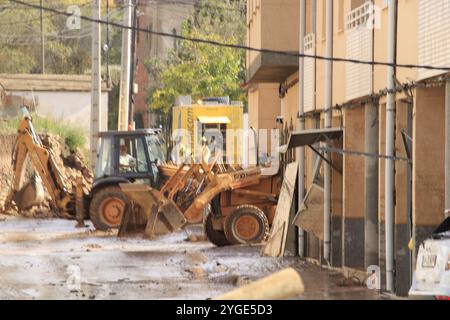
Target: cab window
(104, 162)
(155, 150)
(132, 156)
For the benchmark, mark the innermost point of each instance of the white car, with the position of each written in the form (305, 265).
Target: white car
(432, 275)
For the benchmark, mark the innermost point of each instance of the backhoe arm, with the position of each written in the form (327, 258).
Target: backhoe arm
(29, 144)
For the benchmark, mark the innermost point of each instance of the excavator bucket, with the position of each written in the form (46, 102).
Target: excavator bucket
(150, 213)
(31, 194)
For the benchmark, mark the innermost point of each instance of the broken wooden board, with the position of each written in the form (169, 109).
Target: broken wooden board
(276, 244)
(310, 215)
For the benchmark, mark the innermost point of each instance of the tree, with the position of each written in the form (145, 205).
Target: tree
(66, 50)
(199, 69)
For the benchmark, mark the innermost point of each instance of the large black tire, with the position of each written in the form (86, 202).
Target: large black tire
(216, 237)
(107, 208)
(246, 225)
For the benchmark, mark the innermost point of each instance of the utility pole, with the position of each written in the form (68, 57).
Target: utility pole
(133, 64)
(96, 82)
(125, 76)
(107, 42)
(328, 124)
(42, 38)
(390, 145)
(301, 122)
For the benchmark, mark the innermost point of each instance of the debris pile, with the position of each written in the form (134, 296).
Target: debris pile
(71, 163)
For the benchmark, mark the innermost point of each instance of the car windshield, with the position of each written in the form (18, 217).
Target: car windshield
(155, 149)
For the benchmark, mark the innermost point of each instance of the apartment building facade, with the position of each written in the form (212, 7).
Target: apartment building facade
(286, 86)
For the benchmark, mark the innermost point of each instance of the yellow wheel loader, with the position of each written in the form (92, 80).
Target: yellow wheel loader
(229, 201)
(235, 205)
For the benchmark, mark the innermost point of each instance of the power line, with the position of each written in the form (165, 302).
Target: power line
(240, 47)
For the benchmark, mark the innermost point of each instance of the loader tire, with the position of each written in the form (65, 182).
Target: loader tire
(246, 225)
(216, 237)
(107, 208)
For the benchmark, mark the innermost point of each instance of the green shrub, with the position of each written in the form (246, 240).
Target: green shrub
(73, 136)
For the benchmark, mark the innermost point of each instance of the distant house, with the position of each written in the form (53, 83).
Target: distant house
(62, 97)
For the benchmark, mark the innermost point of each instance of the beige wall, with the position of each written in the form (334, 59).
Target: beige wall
(291, 101)
(354, 166)
(428, 158)
(263, 105)
(271, 24)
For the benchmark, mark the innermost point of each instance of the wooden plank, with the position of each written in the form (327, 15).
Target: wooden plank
(310, 215)
(276, 244)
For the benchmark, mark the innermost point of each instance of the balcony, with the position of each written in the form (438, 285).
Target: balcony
(272, 24)
(434, 43)
(269, 67)
(359, 46)
(310, 73)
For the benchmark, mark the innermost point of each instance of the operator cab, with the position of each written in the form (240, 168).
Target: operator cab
(133, 155)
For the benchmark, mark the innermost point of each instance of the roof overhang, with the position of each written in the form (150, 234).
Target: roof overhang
(311, 137)
(48, 83)
(271, 68)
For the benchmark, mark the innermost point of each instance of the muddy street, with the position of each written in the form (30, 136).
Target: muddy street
(50, 259)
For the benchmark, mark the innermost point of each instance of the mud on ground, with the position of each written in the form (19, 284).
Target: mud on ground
(39, 259)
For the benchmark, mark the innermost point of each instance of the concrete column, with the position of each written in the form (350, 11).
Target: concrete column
(301, 124)
(447, 148)
(371, 186)
(402, 203)
(328, 118)
(390, 141)
(353, 190)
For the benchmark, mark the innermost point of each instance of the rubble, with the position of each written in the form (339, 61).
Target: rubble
(196, 258)
(72, 164)
(197, 272)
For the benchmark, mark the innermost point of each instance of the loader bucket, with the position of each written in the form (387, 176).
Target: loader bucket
(31, 194)
(150, 213)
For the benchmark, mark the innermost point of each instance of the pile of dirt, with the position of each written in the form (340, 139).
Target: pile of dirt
(72, 165)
